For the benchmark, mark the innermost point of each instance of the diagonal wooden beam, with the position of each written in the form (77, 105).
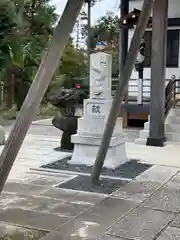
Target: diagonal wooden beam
(121, 88)
(38, 88)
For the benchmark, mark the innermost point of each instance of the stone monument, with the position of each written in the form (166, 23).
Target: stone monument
(95, 111)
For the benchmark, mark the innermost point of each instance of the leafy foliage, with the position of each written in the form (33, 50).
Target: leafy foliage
(107, 29)
(26, 26)
(73, 62)
(7, 25)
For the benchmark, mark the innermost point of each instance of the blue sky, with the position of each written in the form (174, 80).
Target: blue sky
(99, 10)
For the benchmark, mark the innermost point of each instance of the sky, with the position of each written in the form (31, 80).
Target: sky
(99, 10)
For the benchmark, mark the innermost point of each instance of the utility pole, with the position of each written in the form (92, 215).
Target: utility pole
(48, 66)
(121, 88)
(123, 40)
(89, 33)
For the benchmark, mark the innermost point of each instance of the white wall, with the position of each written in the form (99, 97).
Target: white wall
(173, 12)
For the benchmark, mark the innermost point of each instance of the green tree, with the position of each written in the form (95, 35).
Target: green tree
(73, 62)
(7, 25)
(33, 26)
(107, 29)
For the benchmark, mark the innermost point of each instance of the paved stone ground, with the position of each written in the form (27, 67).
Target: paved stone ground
(147, 208)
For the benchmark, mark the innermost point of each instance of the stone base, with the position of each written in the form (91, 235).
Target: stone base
(89, 135)
(155, 142)
(86, 148)
(95, 127)
(66, 143)
(171, 127)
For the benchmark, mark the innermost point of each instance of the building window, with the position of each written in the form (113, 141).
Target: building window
(172, 54)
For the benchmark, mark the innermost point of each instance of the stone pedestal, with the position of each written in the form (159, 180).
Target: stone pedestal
(95, 112)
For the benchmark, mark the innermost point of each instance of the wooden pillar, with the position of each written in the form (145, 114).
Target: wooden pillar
(121, 88)
(123, 49)
(47, 68)
(123, 42)
(158, 71)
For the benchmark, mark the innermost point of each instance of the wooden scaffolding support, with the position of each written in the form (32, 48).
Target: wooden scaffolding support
(38, 88)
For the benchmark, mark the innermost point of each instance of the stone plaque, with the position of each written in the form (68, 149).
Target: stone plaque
(96, 109)
(100, 76)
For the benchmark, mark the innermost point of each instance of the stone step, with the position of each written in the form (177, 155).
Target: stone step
(146, 126)
(172, 128)
(173, 120)
(169, 127)
(141, 141)
(174, 112)
(144, 134)
(171, 136)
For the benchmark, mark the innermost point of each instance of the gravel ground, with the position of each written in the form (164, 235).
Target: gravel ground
(128, 170)
(84, 183)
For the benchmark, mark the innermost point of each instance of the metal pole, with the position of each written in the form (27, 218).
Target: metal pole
(38, 88)
(123, 36)
(121, 88)
(89, 36)
(123, 40)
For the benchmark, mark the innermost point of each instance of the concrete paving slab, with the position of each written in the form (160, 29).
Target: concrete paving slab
(53, 236)
(91, 198)
(50, 173)
(141, 224)
(59, 236)
(62, 194)
(106, 213)
(100, 210)
(176, 222)
(8, 199)
(107, 237)
(25, 178)
(158, 174)
(137, 190)
(8, 231)
(32, 219)
(25, 189)
(74, 196)
(166, 156)
(176, 179)
(49, 181)
(166, 199)
(36, 203)
(170, 233)
(69, 209)
(77, 229)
